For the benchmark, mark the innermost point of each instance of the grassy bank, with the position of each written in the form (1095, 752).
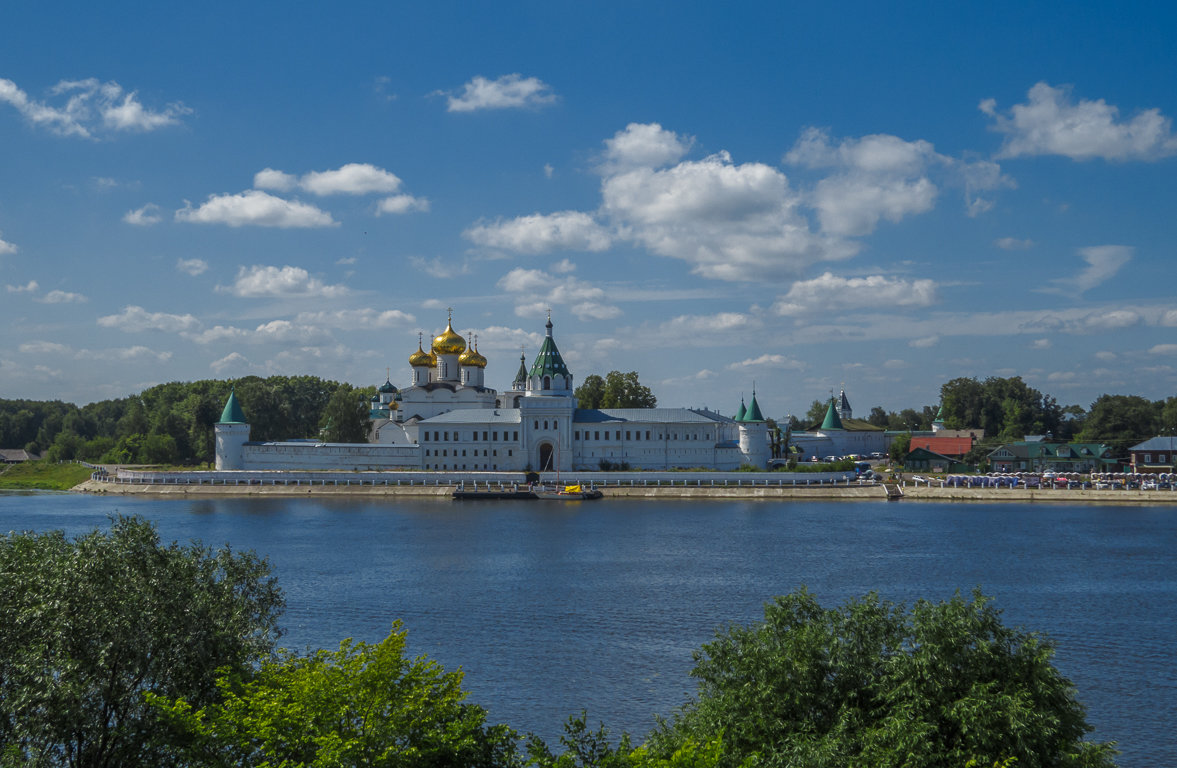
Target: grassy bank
(42, 476)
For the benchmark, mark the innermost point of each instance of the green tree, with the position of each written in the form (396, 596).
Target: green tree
(900, 447)
(816, 413)
(591, 392)
(363, 705)
(345, 419)
(1121, 421)
(89, 625)
(873, 684)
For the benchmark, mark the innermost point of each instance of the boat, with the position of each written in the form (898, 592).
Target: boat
(566, 493)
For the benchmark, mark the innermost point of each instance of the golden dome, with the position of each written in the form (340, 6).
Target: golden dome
(421, 357)
(449, 343)
(472, 358)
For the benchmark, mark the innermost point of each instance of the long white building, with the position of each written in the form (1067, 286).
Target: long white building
(448, 419)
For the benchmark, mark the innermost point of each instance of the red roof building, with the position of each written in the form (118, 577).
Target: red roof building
(954, 447)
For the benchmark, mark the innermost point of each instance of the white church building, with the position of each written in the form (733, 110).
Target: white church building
(448, 419)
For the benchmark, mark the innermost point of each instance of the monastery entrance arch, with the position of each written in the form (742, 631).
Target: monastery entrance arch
(547, 457)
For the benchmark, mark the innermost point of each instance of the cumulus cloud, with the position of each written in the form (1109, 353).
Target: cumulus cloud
(29, 287)
(62, 297)
(234, 361)
(924, 343)
(535, 290)
(830, 292)
(643, 145)
(769, 361)
(1169, 319)
(508, 91)
(351, 179)
(6, 247)
(353, 319)
(255, 208)
(1052, 123)
(143, 217)
(134, 319)
(1013, 244)
(279, 181)
(1103, 262)
(1163, 349)
(44, 348)
(540, 233)
(885, 177)
(88, 107)
(398, 204)
(280, 282)
(192, 267)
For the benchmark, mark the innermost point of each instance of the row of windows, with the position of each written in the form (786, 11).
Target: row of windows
(1160, 458)
(447, 466)
(596, 434)
(473, 452)
(439, 436)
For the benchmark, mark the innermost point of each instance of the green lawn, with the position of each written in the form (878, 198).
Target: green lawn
(43, 475)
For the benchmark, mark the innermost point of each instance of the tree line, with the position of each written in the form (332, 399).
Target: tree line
(173, 423)
(117, 649)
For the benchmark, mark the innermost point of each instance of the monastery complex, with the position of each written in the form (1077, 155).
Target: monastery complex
(448, 419)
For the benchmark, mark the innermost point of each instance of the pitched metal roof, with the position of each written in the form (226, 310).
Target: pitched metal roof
(232, 413)
(648, 416)
(1158, 443)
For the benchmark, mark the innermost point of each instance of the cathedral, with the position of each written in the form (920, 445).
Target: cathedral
(448, 419)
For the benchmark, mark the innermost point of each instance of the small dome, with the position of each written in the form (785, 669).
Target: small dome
(421, 357)
(449, 343)
(387, 387)
(472, 358)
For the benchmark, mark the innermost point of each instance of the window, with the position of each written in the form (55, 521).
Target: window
(463, 453)
(435, 437)
(537, 423)
(446, 436)
(596, 435)
(576, 435)
(494, 436)
(484, 436)
(426, 433)
(545, 423)
(1148, 458)
(510, 453)
(647, 434)
(627, 434)
(444, 452)
(1161, 458)
(516, 436)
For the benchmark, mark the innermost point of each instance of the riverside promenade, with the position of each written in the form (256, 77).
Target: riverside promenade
(647, 485)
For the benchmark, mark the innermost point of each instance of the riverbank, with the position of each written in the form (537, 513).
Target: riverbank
(825, 492)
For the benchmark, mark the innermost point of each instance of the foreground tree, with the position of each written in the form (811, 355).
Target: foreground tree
(363, 705)
(616, 390)
(345, 419)
(88, 626)
(873, 684)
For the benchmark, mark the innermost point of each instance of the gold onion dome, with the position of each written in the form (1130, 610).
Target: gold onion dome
(449, 343)
(472, 358)
(420, 357)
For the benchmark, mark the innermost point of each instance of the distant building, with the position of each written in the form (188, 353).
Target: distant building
(839, 434)
(448, 419)
(16, 456)
(1157, 454)
(1033, 456)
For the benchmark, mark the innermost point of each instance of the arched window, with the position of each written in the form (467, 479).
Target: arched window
(547, 382)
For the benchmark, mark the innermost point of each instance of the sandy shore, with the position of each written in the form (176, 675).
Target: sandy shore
(855, 493)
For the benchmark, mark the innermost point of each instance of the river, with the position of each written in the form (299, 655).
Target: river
(551, 608)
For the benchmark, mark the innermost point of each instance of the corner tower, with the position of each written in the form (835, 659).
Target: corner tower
(753, 434)
(549, 375)
(232, 433)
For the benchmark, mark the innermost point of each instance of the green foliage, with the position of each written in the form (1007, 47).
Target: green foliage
(345, 419)
(873, 684)
(1007, 409)
(900, 447)
(616, 390)
(43, 475)
(90, 625)
(363, 705)
(1121, 421)
(585, 748)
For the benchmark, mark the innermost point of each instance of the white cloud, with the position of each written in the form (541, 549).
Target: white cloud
(885, 177)
(44, 348)
(1013, 244)
(643, 145)
(895, 364)
(29, 287)
(731, 222)
(534, 291)
(439, 268)
(90, 106)
(540, 233)
(924, 343)
(830, 292)
(1169, 320)
(1051, 123)
(279, 181)
(549, 171)
(134, 319)
(143, 217)
(1106, 355)
(508, 91)
(255, 208)
(6, 247)
(137, 352)
(192, 267)
(62, 297)
(1040, 344)
(1163, 349)
(356, 319)
(234, 361)
(280, 282)
(217, 333)
(402, 204)
(769, 361)
(351, 179)
(1103, 262)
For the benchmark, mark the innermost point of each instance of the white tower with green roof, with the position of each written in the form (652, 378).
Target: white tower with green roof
(753, 434)
(232, 433)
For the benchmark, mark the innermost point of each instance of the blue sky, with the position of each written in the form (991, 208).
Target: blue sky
(714, 195)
